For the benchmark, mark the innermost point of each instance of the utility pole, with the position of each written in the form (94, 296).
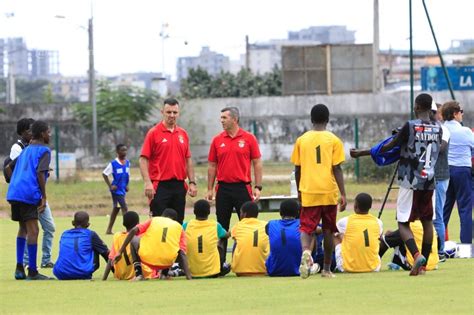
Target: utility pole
(164, 35)
(247, 53)
(375, 51)
(92, 90)
(11, 89)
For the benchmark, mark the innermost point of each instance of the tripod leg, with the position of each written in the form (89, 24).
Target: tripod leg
(388, 191)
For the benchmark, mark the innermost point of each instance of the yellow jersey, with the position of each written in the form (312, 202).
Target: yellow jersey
(417, 229)
(360, 244)
(124, 270)
(252, 247)
(160, 241)
(202, 237)
(316, 152)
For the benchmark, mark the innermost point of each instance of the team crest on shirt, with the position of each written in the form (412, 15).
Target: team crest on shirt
(241, 143)
(181, 139)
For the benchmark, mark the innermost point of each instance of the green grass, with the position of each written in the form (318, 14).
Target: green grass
(447, 290)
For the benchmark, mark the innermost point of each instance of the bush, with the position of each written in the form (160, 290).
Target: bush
(369, 171)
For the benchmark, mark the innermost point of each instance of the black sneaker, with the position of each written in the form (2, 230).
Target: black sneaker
(442, 257)
(20, 274)
(48, 265)
(225, 269)
(38, 276)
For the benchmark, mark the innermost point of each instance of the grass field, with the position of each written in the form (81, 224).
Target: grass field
(447, 290)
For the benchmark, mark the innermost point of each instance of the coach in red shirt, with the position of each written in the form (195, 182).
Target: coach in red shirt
(165, 163)
(230, 157)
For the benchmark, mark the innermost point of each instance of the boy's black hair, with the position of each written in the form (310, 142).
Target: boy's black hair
(289, 208)
(170, 213)
(81, 218)
(23, 125)
(250, 209)
(119, 146)
(424, 101)
(364, 202)
(130, 220)
(171, 101)
(319, 114)
(38, 128)
(202, 208)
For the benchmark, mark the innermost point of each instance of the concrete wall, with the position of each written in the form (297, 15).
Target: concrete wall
(276, 121)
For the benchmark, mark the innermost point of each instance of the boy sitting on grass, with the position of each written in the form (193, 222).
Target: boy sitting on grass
(251, 246)
(204, 240)
(125, 268)
(162, 242)
(79, 250)
(357, 243)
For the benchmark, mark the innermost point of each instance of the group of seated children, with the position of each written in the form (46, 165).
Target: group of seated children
(150, 249)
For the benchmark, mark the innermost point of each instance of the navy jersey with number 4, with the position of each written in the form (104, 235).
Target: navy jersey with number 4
(285, 248)
(420, 142)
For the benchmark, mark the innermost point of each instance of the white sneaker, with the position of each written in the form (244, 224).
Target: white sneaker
(305, 265)
(314, 269)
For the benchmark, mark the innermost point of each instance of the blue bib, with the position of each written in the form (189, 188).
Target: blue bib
(385, 158)
(121, 176)
(76, 256)
(285, 248)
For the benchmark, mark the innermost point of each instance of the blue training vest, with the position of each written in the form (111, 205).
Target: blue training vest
(76, 256)
(24, 185)
(285, 248)
(385, 158)
(121, 174)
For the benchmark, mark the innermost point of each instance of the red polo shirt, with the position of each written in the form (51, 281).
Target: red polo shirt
(166, 152)
(233, 156)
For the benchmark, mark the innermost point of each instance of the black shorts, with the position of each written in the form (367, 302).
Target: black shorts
(23, 212)
(169, 194)
(119, 202)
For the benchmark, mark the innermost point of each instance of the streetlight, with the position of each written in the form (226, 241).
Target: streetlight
(92, 86)
(164, 35)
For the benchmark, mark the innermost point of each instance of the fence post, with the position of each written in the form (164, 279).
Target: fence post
(356, 143)
(56, 146)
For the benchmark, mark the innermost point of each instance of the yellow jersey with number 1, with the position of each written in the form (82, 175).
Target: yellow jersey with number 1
(203, 255)
(159, 243)
(252, 247)
(360, 245)
(316, 152)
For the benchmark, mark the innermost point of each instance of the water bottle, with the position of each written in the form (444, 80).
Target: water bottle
(293, 188)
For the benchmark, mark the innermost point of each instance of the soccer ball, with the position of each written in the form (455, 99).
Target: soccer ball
(451, 249)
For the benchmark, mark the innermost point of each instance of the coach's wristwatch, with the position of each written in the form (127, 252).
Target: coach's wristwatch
(258, 187)
(192, 182)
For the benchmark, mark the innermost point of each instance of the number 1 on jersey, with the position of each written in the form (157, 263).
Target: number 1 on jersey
(200, 244)
(255, 238)
(318, 154)
(366, 238)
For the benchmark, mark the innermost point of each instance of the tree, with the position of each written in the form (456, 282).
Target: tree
(118, 110)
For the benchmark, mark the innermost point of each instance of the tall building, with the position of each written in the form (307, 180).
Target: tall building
(44, 63)
(2, 58)
(208, 60)
(17, 54)
(333, 34)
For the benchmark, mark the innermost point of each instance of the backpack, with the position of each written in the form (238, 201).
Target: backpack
(11, 162)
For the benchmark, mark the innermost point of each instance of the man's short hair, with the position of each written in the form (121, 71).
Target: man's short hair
(364, 202)
(119, 146)
(250, 209)
(234, 112)
(424, 101)
(170, 213)
(319, 114)
(170, 101)
(449, 109)
(289, 208)
(38, 128)
(23, 125)
(130, 220)
(81, 218)
(202, 208)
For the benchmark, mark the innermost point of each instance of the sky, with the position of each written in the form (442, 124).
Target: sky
(127, 33)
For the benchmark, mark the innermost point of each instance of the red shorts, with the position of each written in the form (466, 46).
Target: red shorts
(310, 217)
(422, 207)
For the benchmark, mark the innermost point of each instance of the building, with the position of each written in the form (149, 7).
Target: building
(2, 58)
(333, 34)
(74, 89)
(461, 46)
(208, 60)
(17, 55)
(43, 63)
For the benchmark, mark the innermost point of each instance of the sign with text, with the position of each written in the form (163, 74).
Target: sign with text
(433, 78)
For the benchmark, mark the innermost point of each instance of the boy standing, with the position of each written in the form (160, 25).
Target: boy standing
(27, 196)
(120, 170)
(162, 242)
(204, 241)
(357, 243)
(318, 151)
(251, 243)
(79, 250)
